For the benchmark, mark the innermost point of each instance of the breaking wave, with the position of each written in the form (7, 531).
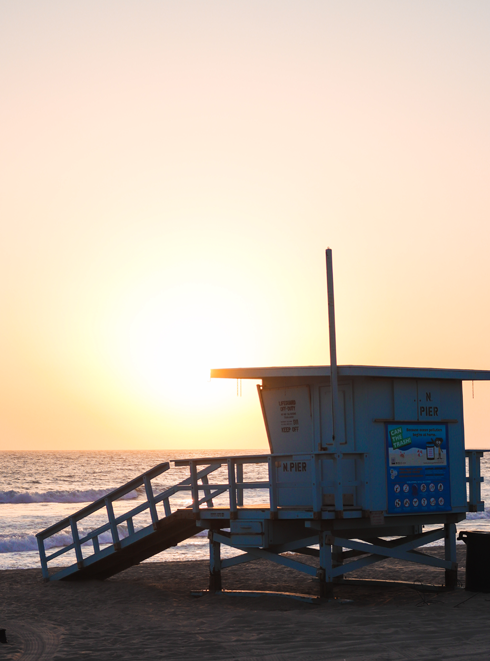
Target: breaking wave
(23, 542)
(16, 497)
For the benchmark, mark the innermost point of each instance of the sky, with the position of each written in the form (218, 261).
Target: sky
(170, 176)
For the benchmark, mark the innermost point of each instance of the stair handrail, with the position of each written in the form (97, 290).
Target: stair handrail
(101, 502)
(126, 517)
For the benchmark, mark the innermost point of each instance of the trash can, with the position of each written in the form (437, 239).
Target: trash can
(477, 560)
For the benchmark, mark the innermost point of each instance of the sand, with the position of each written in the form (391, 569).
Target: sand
(148, 612)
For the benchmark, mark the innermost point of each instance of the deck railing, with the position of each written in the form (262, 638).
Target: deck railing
(474, 480)
(237, 486)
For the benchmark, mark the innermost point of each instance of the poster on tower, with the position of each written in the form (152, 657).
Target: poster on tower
(417, 468)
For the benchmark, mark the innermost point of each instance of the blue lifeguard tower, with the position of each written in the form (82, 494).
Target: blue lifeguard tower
(365, 463)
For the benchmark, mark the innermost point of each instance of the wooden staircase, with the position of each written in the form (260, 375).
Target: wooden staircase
(129, 546)
(170, 531)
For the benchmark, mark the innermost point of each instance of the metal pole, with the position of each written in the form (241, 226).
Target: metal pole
(333, 347)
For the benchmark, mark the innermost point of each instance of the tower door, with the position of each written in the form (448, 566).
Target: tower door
(345, 425)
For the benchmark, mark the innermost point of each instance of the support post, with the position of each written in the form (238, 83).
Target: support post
(325, 571)
(451, 575)
(337, 561)
(214, 564)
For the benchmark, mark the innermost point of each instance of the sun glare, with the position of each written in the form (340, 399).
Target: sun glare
(172, 340)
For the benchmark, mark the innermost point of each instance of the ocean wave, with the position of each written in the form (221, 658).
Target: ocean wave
(88, 496)
(24, 542)
(478, 515)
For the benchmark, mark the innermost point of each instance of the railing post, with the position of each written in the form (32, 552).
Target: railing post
(112, 522)
(95, 544)
(130, 525)
(474, 479)
(194, 488)
(272, 487)
(207, 492)
(151, 500)
(239, 479)
(76, 542)
(472, 469)
(42, 557)
(317, 484)
(232, 483)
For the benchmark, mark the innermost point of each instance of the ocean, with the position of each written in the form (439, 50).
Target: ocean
(37, 489)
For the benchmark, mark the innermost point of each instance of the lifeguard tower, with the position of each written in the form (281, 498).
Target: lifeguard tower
(365, 463)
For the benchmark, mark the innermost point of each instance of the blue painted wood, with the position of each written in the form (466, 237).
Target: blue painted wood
(100, 503)
(474, 480)
(112, 522)
(232, 485)
(268, 555)
(42, 557)
(96, 545)
(237, 560)
(151, 499)
(76, 542)
(204, 493)
(239, 479)
(401, 552)
(194, 487)
(207, 492)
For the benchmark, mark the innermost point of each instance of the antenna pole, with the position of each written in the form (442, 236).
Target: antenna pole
(333, 347)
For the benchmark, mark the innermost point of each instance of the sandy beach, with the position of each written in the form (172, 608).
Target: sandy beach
(148, 612)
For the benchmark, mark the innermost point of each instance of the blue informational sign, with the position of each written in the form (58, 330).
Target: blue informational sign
(418, 468)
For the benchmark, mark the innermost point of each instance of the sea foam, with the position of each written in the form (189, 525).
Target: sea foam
(478, 515)
(24, 542)
(16, 497)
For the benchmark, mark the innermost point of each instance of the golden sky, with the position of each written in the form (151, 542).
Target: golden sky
(171, 174)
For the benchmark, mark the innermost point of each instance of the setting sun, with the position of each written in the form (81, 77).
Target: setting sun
(168, 342)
